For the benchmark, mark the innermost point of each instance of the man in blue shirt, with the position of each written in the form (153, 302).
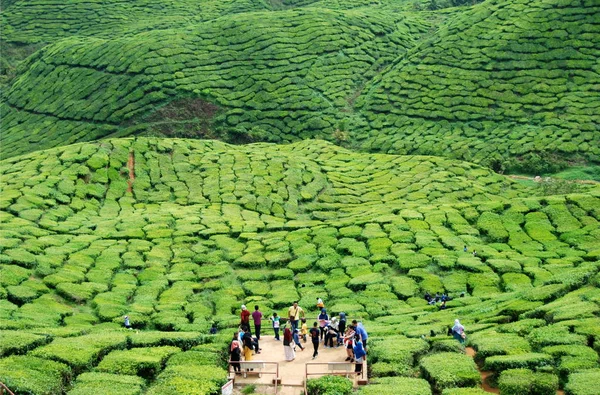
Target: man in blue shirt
(361, 332)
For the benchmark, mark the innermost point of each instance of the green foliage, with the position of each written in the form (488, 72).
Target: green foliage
(198, 379)
(329, 385)
(519, 361)
(32, 375)
(524, 381)
(82, 352)
(396, 386)
(583, 383)
(106, 383)
(14, 342)
(463, 373)
(145, 362)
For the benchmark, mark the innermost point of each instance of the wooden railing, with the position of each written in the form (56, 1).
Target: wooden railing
(254, 368)
(4, 389)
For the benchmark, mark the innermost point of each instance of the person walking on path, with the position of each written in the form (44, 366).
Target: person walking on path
(314, 335)
(323, 321)
(297, 339)
(361, 332)
(290, 355)
(257, 318)
(248, 345)
(294, 313)
(245, 318)
(359, 355)
(458, 331)
(275, 320)
(235, 353)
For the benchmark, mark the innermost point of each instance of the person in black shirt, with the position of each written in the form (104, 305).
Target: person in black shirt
(314, 335)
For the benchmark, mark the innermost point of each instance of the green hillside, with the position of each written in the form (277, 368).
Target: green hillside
(504, 79)
(171, 161)
(509, 84)
(179, 233)
(276, 76)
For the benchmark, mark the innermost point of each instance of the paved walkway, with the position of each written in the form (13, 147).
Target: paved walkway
(291, 373)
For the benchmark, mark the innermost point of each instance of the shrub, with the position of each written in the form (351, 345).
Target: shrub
(195, 379)
(499, 363)
(329, 385)
(82, 352)
(396, 386)
(526, 382)
(145, 362)
(583, 383)
(400, 358)
(463, 373)
(14, 342)
(183, 340)
(106, 383)
(491, 343)
(32, 375)
(464, 391)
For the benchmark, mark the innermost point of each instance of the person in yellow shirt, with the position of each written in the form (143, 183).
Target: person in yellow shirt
(304, 330)
(294, 313)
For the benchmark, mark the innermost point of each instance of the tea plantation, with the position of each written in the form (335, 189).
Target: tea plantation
(177, 234)
(508, 84)
(171, 161)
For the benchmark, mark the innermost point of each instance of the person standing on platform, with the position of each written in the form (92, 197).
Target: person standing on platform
(294, 313)
(257, 318)
(314, 335)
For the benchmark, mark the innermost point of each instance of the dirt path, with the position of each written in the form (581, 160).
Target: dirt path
(485, 375)
(131, 167)
(291, 373)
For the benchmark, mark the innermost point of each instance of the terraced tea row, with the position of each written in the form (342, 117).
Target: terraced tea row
(503, 80)
(282, 77)
(47, 21)
(184, 247)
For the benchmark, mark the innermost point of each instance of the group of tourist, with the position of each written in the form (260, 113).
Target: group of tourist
(331, 331)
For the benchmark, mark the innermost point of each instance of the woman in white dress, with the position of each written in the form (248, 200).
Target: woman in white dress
(288, 344)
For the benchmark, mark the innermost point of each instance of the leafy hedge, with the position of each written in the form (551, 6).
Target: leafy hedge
(145, 362)
(329, 385)
(524, 381)
(106, 383)
(27, 374)
(396, 386)
(436, 369)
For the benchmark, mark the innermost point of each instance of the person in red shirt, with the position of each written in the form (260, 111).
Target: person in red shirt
(257, 318)
(245, 318)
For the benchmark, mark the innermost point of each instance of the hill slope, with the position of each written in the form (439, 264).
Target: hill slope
(179, 233)
(496, 83)
(505, 78)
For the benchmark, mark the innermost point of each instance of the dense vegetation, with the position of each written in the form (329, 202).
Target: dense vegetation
(178, 233)
(103, 214)
(509, 84)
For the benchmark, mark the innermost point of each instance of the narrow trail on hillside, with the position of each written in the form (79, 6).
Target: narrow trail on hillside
(131, 167)
(486, 375)
(516, 177)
